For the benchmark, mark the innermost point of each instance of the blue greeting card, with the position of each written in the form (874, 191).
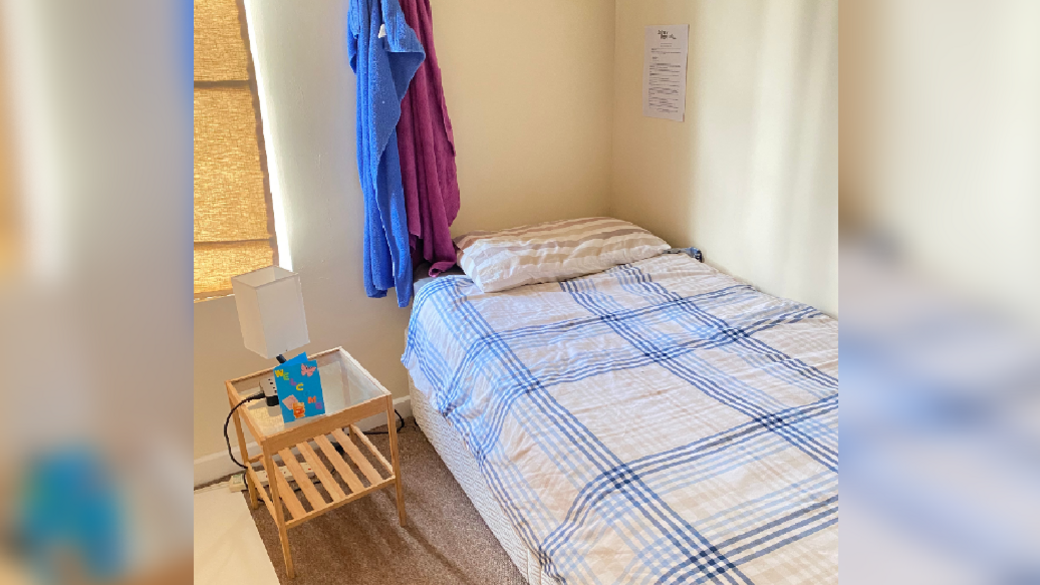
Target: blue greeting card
(298, 382)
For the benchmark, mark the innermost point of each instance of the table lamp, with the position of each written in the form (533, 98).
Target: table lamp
(270, 313)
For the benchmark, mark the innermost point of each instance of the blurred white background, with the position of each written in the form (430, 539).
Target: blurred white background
(95, 297)
(940, 199)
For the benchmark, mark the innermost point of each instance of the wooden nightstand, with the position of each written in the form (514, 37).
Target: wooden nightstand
(343, 472)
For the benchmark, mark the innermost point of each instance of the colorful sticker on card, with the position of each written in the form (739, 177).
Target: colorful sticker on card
(298, 382)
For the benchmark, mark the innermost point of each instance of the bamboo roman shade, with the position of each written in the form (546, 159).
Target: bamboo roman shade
(234, 227)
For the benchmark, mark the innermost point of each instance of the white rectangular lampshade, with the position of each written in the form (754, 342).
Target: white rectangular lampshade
(270, 310)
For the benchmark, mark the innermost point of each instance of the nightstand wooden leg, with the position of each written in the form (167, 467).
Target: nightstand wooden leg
(391, 429)
(244, 453)
(279, 515)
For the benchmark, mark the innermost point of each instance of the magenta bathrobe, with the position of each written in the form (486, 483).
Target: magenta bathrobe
(427, 148)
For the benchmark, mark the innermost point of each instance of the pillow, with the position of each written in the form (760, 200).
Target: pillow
(552, 251)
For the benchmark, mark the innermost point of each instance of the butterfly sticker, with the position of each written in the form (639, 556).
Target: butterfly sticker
(307, 371)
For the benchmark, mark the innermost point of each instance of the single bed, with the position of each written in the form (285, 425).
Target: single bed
(659, 422)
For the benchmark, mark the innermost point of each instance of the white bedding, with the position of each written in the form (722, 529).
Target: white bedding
(656, 423)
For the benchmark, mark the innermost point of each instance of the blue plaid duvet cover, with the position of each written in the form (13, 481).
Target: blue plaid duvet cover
(659, 422)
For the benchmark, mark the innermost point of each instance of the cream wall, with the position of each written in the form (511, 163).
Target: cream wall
(750, 176)
(529, 90)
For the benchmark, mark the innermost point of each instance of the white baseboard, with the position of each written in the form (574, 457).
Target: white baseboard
(217, 465)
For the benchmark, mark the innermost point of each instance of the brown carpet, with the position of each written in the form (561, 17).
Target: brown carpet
(446, 541)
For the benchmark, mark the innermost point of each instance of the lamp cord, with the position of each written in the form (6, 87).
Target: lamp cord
(227, 440)
(399, 426)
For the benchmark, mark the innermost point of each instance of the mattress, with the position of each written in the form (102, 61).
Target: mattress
(659, 422)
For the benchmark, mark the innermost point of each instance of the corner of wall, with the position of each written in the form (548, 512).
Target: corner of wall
(610, 207)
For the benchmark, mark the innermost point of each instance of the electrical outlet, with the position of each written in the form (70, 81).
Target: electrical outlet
(237, 483)
(270, 390)
(268, 386)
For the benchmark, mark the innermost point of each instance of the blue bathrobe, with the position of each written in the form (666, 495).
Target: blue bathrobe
(384, 54)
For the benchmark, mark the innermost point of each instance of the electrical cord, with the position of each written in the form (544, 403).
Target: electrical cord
(399, 426)
(257, 396)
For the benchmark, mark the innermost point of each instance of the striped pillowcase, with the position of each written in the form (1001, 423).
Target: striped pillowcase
(552, 251)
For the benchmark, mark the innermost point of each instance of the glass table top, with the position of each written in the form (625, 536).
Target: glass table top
(344, 383)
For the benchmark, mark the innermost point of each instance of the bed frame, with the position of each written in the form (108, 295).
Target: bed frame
(457, 457)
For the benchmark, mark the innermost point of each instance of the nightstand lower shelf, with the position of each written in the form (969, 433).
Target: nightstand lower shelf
(343, 475)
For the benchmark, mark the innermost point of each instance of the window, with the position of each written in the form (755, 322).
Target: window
(234, 218)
